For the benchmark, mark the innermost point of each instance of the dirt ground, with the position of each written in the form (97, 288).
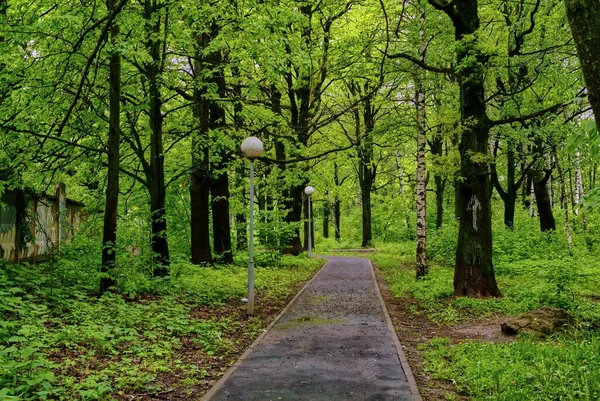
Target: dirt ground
(413, 330)
(179, 386)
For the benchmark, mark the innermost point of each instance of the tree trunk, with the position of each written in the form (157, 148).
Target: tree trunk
(367, 229)
(474, 273)
(219, 189)
(219, 186)
(326, 214)
(200, 176)
(238, 120)
(583, 16)
(294, 217)
(421, 265)
(578, 182)
(337, 204)
(156, 181)
(542, 197)
(111, 208)
(508, 196)
(437, 148)
(561, 177)
(241, 225)
(366, 168)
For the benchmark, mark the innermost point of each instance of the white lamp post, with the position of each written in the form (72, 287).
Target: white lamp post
(252, 148)
(309, 191)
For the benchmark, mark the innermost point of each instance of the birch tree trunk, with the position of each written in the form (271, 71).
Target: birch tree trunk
(561, 178)
(421, 266)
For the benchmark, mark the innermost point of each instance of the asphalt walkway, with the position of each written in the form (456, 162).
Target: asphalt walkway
(334, 342)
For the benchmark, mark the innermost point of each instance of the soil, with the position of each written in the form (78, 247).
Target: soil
(416, 329)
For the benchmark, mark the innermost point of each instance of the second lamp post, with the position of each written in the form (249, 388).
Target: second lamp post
(252, 148)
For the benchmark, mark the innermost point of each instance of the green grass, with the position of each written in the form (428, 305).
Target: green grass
(59, 341)
(532, 270)
(566, 367)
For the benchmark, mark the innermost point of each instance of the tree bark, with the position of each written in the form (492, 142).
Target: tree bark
(200, 175)
(219, 189)
(156, 180)
(561, 177)
(474, 273)
(583, 16)
(540, 187)
(364, 148)
(421, 263)
(326, 214)
(437, 148)
(238, 120)
(542, 197)
(240, 218)
(219, 186)
(111, 208)
(337, 204)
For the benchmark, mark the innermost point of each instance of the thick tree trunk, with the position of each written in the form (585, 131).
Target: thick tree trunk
(200, 198)
(156, 181)
(583, 16)
(367, 229)
(294, 217)
(437, 148)
(440, 184)
(111, 208)
(200, 176)
(219, 180)
(366, 167)
(542, 197)
(474, 273)
(219, 189)
(160, 245)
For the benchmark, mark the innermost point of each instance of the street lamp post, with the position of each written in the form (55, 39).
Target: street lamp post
(252, 148)
(309, 191)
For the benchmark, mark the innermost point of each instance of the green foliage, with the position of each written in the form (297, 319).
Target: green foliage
(561, 368)
(57, 341)
(274, 234)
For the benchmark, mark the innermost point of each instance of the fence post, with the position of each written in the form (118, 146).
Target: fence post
(61, 207)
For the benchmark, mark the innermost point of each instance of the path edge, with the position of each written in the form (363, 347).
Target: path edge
(414, 390)
(217, 386)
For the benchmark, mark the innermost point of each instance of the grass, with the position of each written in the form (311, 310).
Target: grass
(532, 270)
(565, 367)
(58, 342)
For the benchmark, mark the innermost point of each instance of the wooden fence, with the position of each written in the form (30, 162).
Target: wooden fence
(49, 219)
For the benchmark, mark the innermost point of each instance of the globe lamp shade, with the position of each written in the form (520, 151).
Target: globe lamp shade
(252, 147)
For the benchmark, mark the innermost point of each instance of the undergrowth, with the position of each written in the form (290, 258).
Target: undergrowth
(533, 269)
(566, 367)
(59, 341)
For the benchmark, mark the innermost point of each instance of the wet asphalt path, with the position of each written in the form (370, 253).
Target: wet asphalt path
(333, 343)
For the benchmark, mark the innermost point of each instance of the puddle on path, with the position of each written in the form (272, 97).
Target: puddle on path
(307, 320)
(317, 299)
